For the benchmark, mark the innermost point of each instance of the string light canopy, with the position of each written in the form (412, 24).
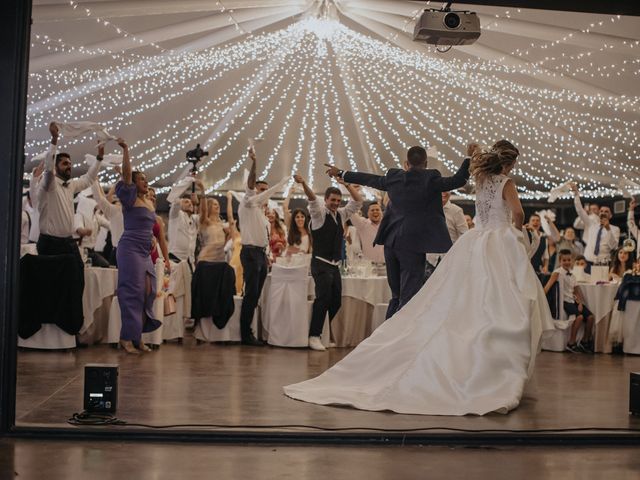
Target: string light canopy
(337, 82)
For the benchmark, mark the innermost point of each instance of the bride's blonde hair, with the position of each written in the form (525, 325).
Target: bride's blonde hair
(491, 162)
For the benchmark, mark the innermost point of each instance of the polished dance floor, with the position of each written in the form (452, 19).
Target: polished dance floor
(242, 386)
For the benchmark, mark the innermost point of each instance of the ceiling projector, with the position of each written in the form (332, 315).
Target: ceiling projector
(444, 27)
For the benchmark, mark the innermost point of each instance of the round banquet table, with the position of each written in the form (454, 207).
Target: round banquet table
(600, 301)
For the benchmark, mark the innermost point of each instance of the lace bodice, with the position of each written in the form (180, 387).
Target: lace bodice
(491, 210)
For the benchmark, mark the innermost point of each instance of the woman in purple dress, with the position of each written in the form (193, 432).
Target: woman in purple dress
(136, 275)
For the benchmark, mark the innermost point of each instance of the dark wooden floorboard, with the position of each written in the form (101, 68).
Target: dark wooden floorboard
(238, 385)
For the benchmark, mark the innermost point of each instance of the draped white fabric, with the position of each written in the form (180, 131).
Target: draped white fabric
(631, 327)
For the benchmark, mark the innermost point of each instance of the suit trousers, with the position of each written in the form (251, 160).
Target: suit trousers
(254, 266)
(405, 274)
(328, 294)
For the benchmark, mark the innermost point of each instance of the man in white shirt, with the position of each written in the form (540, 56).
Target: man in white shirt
(87, 224)
(327, 220)
(456, 225)
(113, 213)
(600, 236)
(183, 223)
(367, 229)
(254, 232)
(454, 215)
(55, 193)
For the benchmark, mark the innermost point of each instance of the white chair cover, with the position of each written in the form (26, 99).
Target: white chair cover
(615, 326)
(49, 337)
(631, 327)
(115, 322)
(286, 319)
(155, 337)
(206, 331)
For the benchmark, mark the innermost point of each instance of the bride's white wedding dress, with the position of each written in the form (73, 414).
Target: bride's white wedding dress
(465, 344)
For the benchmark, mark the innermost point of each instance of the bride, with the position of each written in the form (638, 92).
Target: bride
(466, 343)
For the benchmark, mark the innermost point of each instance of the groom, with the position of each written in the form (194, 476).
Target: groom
(414, 222)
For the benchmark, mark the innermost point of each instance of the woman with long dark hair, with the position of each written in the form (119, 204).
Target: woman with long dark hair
(621, 261)
(298, 237)
(136, 274)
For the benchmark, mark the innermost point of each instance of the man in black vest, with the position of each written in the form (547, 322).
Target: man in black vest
(327, 230)
(414, 223)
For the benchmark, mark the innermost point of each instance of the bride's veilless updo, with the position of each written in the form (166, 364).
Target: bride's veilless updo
(492, 161)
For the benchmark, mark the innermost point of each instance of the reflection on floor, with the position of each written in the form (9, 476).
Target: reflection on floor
(238, 385)
(103, 460)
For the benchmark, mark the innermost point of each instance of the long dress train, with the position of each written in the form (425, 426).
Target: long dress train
(465, 344)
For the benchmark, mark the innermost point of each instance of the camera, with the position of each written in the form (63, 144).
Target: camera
(452, 20)
(196, 154)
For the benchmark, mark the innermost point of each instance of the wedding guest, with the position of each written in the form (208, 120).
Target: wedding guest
(600, 236)
(352, 246)
(213, 232)
(469, 220)
(632, 226)
(621, 262)
(297, 223)
(566, 240)
(367, 229)
(159, 235)
(55, 193)
(112, 210)
(32, 208)
(591, 209)
(327, 218)
(233, 250)
(183, 224)
(573, 304)
(87, 224)
(456, 225)
(540, 258)
(255, 240)
(298, 236)
(277, 235)
(579, 269)
(136, 273)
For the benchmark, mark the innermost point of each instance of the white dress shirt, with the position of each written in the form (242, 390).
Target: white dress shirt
(112, 212)
(318, 212)
(183, 232)
(568, 283)
(24, 231)
(609, 238)
(32, 209)
(456, 223)
(55, 201)
(367, 231)
(254, 225)
(93, 222)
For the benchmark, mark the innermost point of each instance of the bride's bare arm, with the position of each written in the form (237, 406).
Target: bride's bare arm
(510, 195)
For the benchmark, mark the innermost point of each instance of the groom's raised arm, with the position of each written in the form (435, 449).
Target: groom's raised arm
(378, 182)
(458, 180)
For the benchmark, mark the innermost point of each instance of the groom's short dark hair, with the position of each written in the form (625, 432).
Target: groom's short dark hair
(417, 156)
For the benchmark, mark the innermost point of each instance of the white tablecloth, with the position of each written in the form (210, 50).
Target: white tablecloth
(99, 284)
(599, 298)
(372, 290)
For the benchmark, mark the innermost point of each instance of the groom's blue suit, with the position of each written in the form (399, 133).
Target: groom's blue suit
(413, 223)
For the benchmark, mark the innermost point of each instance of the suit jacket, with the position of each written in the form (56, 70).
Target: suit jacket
(414, 219)
(212, 289)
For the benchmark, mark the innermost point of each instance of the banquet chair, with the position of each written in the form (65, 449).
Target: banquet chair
(206, 331)
(556, 340)
(287, 314)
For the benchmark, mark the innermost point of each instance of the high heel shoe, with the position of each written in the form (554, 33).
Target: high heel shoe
(143, 348)
(127, 346)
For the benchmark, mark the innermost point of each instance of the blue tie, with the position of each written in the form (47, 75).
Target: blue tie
(596, 250)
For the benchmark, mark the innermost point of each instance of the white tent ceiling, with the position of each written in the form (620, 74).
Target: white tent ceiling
(337, 81)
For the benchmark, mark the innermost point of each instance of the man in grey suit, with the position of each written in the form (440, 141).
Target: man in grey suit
(414, 222)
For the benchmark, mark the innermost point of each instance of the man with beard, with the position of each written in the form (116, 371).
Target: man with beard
(367, 229)
(55, 193)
